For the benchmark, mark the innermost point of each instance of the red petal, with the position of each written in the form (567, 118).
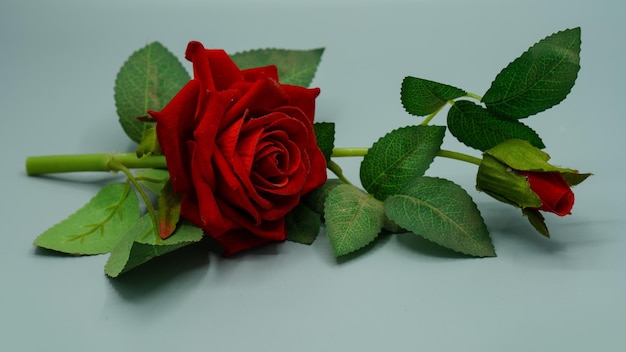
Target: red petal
(264, 95)
(253, 74)
(302, 98)
(552, 188)
(175, 124)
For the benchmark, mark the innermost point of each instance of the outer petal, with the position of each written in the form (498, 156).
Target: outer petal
(214, 68)
(317, 174)
(201, 70)
(303, 99)
(253, 74)
(264, 95)
(225, 72)
(175, 124)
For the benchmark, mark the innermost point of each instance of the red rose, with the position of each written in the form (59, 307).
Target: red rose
(240, 148)
(553, 190)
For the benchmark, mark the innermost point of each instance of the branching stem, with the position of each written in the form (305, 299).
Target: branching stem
(115, 165)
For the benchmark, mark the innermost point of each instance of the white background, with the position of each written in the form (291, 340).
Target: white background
(58, 61)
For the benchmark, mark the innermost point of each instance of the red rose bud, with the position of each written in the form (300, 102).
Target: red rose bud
(517, 173)
(553, 190)
(240, 149)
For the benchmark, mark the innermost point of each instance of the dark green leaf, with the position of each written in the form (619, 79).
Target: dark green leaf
(478, 128)
(574, 179)
(303, 224)
(537, 220)
(96, 227)
(398, 157)
(139, 245)
(295, 67)
(353, 219)
(442, 212)
(421, 97)
(325, 136)
(148, 80)
(539, 79)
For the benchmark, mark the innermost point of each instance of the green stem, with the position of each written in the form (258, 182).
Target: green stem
(336, 169)
(115, 165)
(459, 156)
(432, 115)
(475, 96)
(36, 165)
(347, 152)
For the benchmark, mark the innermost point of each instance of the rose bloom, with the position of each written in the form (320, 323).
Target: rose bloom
(240, 149)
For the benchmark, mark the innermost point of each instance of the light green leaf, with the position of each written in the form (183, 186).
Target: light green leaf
(295, 67)
(325, 137)
(398, 157)
(478, 128)
(97, 226)
(139, 245)
(315, 200)
(421, 97)
(521, 155)
(353, 219)
(303, 224)
(539, 79)
(152, 179)
(148, 80)
(442, 212)
(149, 144)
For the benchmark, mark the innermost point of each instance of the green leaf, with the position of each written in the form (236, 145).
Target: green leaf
(97, 226)
(520, 155)
(537, 220)
(139, 245)
(442, 212)
(421, 97)
(325, 137)
(148, 80)
(316, 199)
(303, 224)
(152, 179)
(295, 67)
(574, 179)
(478, 128)
(149, 144)
(539, 79)
(398, 157)
(353, 219)
(169, 210)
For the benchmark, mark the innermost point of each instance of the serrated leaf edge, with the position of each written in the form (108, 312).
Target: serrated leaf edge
(524, 53)
(430, 240)
(361, 205)
(322, 49)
